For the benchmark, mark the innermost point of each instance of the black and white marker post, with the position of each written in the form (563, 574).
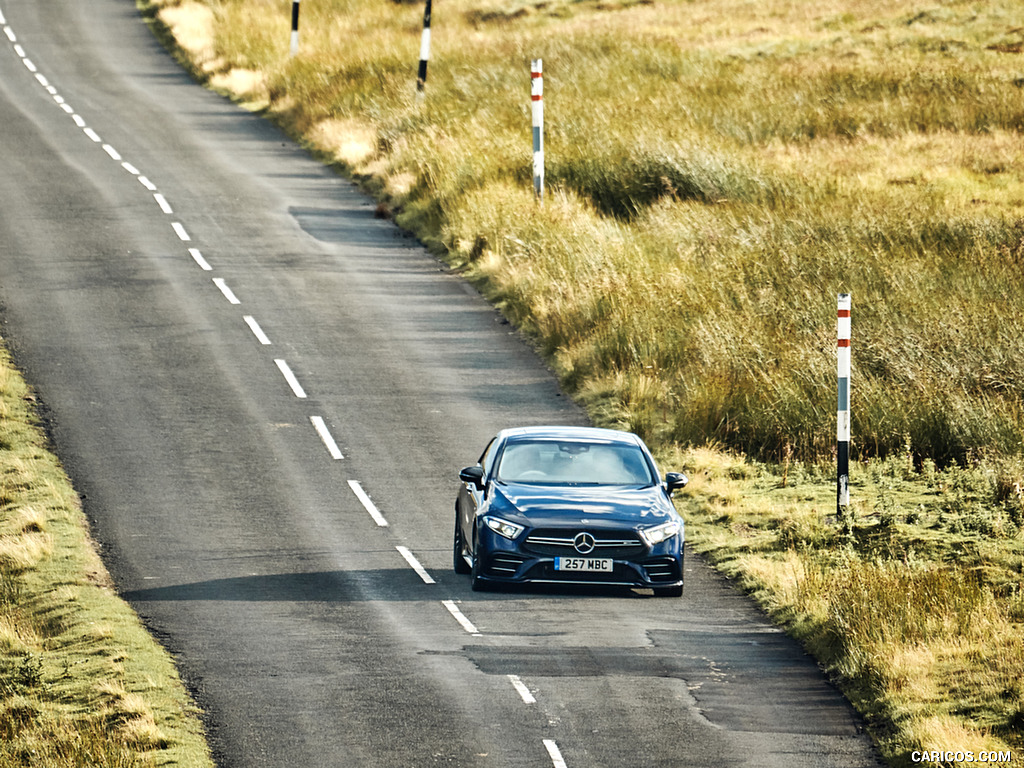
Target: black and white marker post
(537, 96)
(843, 415)
(421, 77)
(295, 27)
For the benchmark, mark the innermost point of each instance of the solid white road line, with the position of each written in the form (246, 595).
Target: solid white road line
(522, 690)
(290, 378)
(325, 434)
(368, 505)
(256, 330)
(178, 228)
(228, 293)
(460, 617)
(203, 263)
(556, 755)
(410, 558)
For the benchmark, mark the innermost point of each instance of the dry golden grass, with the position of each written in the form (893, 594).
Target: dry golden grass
(192, 25)
(960, 172)
(347, 141)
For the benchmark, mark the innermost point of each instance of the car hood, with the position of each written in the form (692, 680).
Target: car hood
(546, 505)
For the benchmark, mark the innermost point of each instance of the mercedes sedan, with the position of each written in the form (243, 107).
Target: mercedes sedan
(569, 505)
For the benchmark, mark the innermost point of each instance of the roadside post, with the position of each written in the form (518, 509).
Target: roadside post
(421, 77)
(843, 415)
(537, 96)
(295, 27)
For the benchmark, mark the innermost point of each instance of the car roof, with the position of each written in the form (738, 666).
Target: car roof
(570, 433)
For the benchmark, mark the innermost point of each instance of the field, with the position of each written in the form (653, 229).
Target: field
(717, 172)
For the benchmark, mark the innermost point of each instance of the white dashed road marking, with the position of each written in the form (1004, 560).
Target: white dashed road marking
(325, 435)
(460, 617)
(198, 257)
(556, 755)
(368, 505)
(290, 378)
(410, 558)
(160, 200)
(228, 293)
(256, 330)
(522, 690)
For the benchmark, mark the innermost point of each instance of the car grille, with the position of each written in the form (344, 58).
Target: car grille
(559, 542)
(662, 569)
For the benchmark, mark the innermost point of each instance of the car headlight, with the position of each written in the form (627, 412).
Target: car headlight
(503, 527)
(660, 533)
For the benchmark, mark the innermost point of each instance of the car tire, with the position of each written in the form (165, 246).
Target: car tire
(476, 582)
(458, 550)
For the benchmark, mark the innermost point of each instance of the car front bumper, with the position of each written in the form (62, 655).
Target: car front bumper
(505, 562)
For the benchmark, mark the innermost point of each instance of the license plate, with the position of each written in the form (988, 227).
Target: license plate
(583, 564)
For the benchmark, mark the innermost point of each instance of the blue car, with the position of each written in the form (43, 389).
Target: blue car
(569, 505)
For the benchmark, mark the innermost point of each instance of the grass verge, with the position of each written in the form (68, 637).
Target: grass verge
(82, 683)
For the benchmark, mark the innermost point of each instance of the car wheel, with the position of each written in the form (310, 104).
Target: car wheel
(459, 550)
(477, 583)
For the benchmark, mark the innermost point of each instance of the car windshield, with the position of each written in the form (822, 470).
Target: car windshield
(560, 462)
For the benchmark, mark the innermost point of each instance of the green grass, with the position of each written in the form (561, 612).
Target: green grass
(81, 681)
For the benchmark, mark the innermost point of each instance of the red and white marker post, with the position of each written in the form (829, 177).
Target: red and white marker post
(537, 96)
(843, 414)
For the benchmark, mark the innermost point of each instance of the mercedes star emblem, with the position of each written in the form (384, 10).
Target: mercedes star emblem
(584, 543)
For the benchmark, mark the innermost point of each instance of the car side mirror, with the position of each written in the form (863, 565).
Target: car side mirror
(474, 476)
(675, 481)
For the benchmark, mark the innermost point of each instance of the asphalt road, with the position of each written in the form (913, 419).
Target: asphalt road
(264, 395)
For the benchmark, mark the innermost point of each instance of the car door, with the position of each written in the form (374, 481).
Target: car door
(471, 498)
